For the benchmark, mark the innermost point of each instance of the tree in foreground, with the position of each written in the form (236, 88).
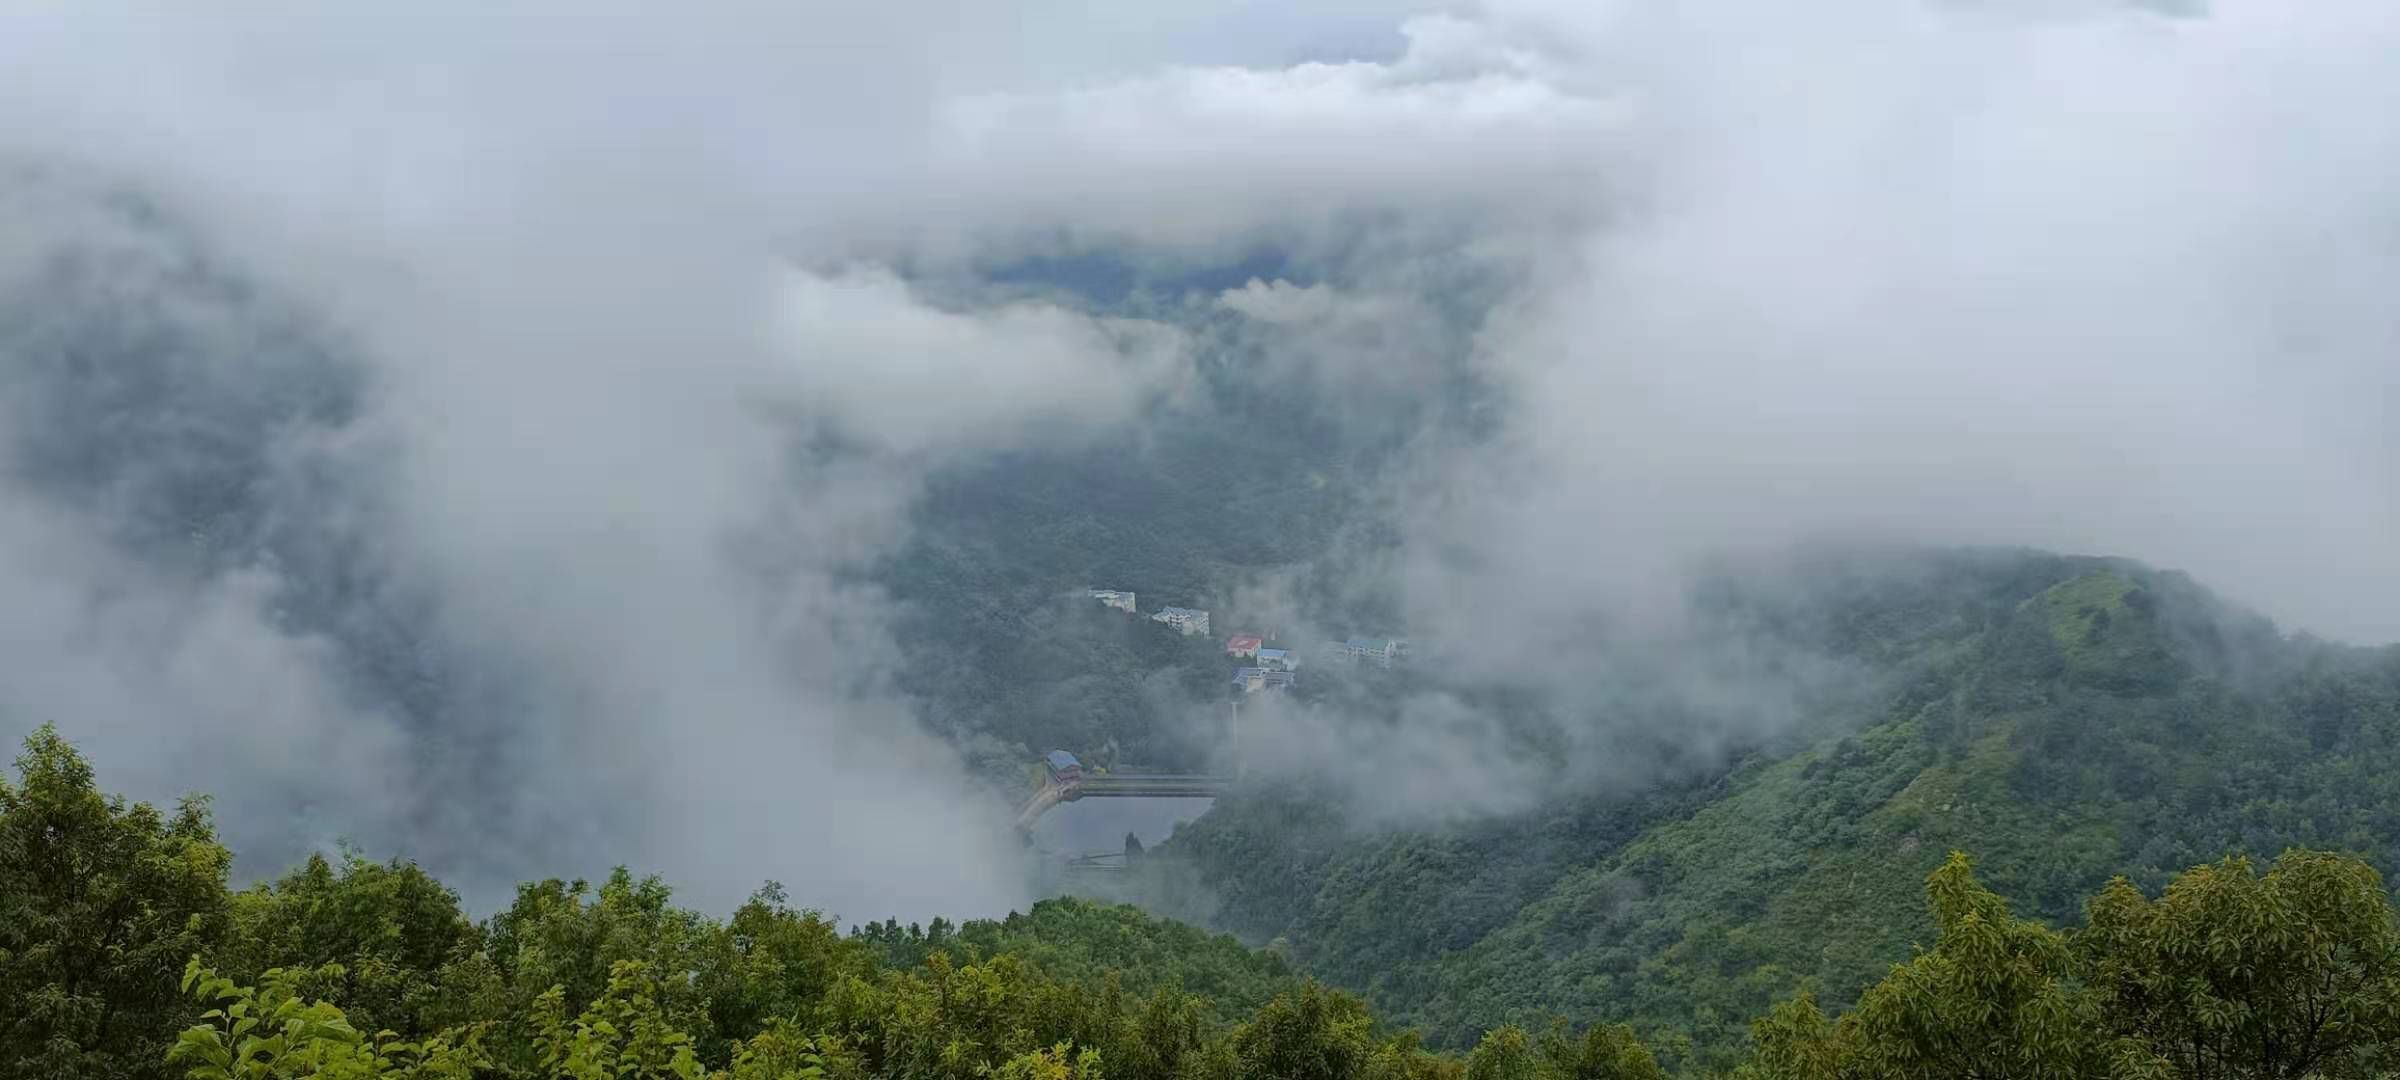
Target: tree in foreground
(272, 1033)
(2294, 973)
(2229, 973)
(1996, 998)
(101, 903)
(1604, 1052)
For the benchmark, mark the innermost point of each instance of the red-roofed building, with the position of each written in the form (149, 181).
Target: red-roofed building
(1243, 644)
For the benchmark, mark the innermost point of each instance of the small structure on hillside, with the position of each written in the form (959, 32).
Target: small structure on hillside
(1378, 651)
(1244, 645)
(1278, 660)
(1185, 620)
(1249, 680)
(1122, 601)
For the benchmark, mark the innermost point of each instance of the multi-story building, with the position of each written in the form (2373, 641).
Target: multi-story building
(1184, 620)
(1380, 651)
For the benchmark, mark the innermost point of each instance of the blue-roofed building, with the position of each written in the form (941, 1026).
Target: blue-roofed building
(1278, 660)
(1064, 768)
(1249, 679)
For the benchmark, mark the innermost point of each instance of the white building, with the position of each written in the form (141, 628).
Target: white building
(1184, 620)
(1378, 651)
(1122, 601)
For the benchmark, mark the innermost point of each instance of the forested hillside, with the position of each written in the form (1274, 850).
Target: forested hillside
(1254, 475)
(124, 954)
(2065, 719)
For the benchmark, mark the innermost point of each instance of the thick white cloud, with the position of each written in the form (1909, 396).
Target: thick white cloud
(882, 366)
(2074, 274)
(1370, 350)
(1454, 132)
(2102, 284)
(163, 680)
(619, 451)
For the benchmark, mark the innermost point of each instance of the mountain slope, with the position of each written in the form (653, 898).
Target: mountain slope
(2108, 719)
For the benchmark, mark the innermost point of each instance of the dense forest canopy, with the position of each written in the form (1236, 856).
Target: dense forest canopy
(353, 968)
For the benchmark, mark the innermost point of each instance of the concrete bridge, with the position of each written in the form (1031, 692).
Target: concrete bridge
(1117, 785)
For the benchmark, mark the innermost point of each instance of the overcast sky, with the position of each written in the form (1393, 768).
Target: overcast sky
(2074, 274)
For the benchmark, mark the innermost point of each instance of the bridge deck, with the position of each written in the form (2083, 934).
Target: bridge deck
(1154, 786)
(1119, 786)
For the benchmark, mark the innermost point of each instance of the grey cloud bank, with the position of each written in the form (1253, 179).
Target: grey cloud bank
(628, 377)
(2097, 283)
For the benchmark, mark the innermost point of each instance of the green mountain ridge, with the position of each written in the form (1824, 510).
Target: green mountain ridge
(2106, 718)
(2063, 719)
